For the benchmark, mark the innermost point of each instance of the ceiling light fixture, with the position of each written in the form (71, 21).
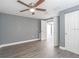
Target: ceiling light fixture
(32, 10)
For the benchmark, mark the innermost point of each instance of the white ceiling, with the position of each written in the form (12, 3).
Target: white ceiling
(52, 6)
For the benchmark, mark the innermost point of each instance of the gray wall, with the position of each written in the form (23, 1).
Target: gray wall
(62, 23)
(16, 28)
(58, 30)
(0, 28)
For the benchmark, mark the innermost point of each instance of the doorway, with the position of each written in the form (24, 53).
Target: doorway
(50, 31)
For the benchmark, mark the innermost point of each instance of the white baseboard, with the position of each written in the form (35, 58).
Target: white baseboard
(15, 43)
(63, 48)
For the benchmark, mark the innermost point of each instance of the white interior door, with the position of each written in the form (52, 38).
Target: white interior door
(72, 32)
(43, 30)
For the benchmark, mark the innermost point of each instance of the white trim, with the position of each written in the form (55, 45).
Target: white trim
(15, 43)
(63, 48)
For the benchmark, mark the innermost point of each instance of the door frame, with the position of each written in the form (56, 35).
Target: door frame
(56, 43)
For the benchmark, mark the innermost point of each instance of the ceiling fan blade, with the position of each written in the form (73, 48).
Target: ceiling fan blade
(38, 3)
(24, 10)
(39, 9)
(23, 3)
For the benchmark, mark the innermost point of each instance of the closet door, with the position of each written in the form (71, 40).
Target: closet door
(72, 32)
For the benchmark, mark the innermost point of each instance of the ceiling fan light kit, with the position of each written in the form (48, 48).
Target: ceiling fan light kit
(32, 8)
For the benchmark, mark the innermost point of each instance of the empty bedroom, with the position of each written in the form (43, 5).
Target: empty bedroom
(39, 28)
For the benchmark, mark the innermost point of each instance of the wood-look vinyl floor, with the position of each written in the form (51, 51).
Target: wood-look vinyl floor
(37, 49)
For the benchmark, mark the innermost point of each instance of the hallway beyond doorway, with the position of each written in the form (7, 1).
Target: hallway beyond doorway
(50, 32)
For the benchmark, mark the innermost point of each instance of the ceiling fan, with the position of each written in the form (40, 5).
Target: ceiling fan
(32, 7)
